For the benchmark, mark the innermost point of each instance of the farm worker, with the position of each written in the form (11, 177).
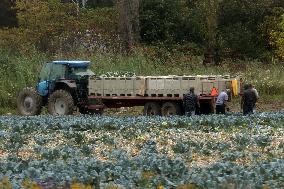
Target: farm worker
(190, 102)
(214, 91)
(248, 100)
(221, 102)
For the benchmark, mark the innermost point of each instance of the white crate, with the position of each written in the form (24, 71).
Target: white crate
(96, 86)
(158, 86)
(139, 86)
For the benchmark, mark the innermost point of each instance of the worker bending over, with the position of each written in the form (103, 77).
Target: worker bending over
(221, 102)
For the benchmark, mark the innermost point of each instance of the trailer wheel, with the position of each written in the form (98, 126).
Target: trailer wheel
(152, 109)
(171, 108)
(29, 102)
(60, 103)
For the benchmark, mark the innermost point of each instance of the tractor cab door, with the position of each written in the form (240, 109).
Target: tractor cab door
(43, 83)
(49, 74)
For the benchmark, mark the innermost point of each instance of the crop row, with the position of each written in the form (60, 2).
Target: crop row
(212, 151)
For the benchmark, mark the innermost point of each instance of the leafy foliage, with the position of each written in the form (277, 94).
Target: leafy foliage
(277, 36)
(60, 28)
(161, 21)
(8, 15)
(233, 29)
(202, 151)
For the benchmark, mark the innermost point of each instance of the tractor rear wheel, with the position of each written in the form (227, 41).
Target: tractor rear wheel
(171, 108)
(152, 109)
(29, 102)
(60, 103)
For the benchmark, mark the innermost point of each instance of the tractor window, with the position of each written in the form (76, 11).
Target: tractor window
(83, 71)
(57, 71)
(45, 72)
(78, 70)
(77, 73)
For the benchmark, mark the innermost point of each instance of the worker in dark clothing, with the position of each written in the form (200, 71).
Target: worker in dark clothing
(248, 100)
(190, 102)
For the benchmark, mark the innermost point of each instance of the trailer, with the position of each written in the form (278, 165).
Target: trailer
(67, 86)
(159, 95)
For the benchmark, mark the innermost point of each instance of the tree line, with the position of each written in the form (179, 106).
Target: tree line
(217, 29)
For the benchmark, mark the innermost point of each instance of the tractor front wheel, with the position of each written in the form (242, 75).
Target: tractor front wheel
(29, 102)
(60, 103)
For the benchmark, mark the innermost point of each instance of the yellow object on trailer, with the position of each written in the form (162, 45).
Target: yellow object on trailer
(235, 87)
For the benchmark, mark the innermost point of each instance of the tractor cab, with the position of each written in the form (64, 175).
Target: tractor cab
(61, 74)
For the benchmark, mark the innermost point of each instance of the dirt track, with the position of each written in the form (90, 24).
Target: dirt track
(261, 106)
(234, 106)
(275, 106)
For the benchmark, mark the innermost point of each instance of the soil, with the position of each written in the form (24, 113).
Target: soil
(272, 106)
(261, 106)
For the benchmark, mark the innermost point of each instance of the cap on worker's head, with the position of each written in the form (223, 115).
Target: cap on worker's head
(191, 89)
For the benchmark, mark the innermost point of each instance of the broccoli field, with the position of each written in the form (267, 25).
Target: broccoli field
(208, 151)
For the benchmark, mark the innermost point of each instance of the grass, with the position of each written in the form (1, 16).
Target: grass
(17, 72)
(21, 70)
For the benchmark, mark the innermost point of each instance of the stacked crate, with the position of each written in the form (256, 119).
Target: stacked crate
(163, 86)
(157, 86)
(116, 86)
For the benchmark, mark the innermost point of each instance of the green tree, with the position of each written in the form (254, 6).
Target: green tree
(162, 21)
(55, 27)
(233, 29)
(277, 38)
(244, 27)
(203, 26)
(7, 14)
(128, 23)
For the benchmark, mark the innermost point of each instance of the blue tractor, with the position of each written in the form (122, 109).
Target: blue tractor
(62, 86)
